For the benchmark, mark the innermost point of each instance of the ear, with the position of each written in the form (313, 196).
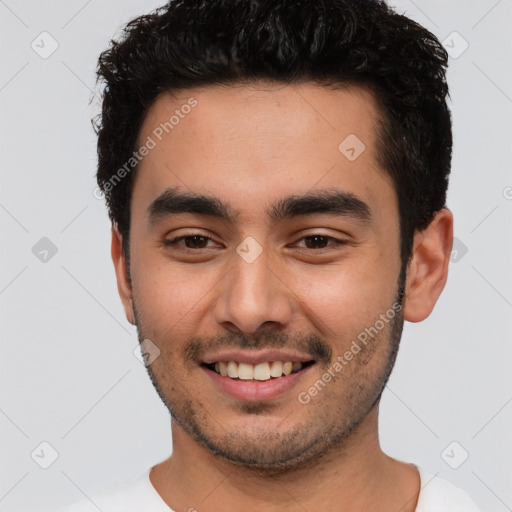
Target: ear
(122, 274)
(427, 271)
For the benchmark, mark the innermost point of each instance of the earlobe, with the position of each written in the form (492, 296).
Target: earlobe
(427, 271)
(122, 274)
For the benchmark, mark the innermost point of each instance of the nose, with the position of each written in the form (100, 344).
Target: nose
(253, 298)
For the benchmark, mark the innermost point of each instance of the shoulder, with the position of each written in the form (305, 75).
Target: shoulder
(136, 495)
(439, 495)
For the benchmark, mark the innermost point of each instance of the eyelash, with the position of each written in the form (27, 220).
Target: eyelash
(173, 242)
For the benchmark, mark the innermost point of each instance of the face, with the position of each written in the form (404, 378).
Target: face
(257, 242)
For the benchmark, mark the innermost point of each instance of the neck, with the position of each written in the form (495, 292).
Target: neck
(355, 475)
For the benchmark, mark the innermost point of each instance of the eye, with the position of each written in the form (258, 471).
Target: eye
(318, 239)
(195, 241)
(192, 241)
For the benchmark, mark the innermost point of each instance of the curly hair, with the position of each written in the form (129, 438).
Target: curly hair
(334, 43)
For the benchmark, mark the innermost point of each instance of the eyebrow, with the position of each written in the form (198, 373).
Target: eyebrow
(174, 201)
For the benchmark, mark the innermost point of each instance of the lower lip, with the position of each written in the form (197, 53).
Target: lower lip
(254, 390)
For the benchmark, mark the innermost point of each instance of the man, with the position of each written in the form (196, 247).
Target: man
(276, 175)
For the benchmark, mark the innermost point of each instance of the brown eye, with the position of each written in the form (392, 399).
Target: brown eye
(195, 241)
(313, 241)
(318, 241)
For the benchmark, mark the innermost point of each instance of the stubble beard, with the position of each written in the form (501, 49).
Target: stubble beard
(274, 452)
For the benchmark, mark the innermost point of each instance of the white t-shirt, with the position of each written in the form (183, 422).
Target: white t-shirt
(139, 495)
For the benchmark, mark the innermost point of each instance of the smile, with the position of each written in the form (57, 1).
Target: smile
(261, 371)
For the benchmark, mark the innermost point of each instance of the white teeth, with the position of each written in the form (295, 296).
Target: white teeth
(233, 370)
(223, 369)
(261, 371)
(276, 370)
(245, 371)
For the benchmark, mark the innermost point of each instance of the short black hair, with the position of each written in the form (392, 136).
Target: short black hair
(334, 43)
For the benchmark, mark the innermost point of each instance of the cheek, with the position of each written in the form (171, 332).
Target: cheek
(339, 299)
(169, 297)
(344, 299)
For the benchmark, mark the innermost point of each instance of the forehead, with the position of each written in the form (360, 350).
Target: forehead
(253, 143)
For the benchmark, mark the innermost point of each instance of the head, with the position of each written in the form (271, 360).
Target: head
(303, 149)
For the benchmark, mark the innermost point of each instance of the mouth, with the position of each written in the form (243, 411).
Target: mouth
(256, 375)
(264, 371)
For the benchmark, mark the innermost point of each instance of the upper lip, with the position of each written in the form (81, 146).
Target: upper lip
(256, 356)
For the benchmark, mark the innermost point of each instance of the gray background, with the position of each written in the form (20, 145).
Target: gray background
(68, 373)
